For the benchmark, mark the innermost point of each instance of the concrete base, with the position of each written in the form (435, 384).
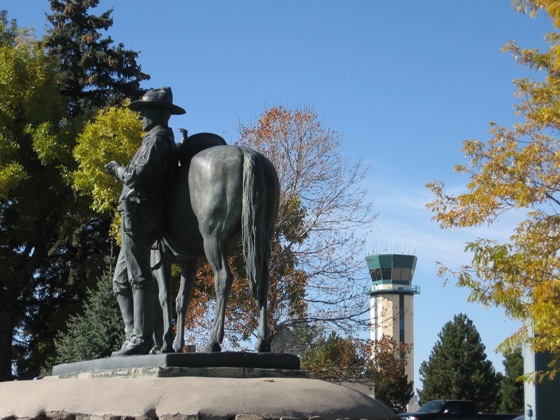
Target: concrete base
(225, 364)
(191, 398)
(244, 386)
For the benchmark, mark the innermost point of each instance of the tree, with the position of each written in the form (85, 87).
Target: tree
(52, 245)
(95, 333)
(511, 386)
(517, 170)
(392, 386)
(91, 71)
(336, 359)
(458, 368)
(380, 365)
(322, 204)
(316, 265)
(34, 198)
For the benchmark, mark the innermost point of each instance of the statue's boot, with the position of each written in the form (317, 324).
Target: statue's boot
(141, 341)
(124, 299)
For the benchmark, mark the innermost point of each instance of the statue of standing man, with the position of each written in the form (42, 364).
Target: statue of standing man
(141, 206)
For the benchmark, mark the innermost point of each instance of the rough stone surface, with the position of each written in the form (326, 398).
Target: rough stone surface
(185, 398)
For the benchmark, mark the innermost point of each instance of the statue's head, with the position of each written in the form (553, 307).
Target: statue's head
(159, 98)
(155, 107)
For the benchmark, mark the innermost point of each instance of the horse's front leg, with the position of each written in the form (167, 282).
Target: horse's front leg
(188, 278)
(216, 255)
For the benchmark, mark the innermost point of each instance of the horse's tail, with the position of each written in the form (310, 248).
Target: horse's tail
(255, 232)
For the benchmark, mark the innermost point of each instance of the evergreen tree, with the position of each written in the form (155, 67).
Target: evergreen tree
(511, 388)
(458, 368)
(52, 243)
(92, 71)
(35, 200)
(95, 333)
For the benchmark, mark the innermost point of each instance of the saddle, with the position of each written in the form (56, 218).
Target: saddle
(191, 145)
(187, 149)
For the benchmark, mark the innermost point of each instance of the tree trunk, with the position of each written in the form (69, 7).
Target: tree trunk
(6, 333)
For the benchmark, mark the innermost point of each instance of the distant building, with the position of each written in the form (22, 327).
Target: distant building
(391, 300)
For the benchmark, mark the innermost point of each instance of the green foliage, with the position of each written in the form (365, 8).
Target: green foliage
(517, 170)
(95, 333)
(92, 72)
(511, 386)
(458, 368)
(51, 241)
(34, 200)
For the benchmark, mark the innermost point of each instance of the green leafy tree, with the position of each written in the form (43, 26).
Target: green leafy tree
(458, 368)
(95, 333)
(392, 385)
(511, 386)
(92, 72)
(517, 170)
(34, 197)
(52, 244)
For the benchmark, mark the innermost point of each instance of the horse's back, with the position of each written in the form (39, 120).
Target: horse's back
(216, 184)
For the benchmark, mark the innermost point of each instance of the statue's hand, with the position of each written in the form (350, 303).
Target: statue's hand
(112, 168)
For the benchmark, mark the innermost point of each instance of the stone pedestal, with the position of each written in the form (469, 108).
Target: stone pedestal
(186, 386)
(225, 364)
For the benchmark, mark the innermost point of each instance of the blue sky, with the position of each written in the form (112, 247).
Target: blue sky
(404, 82)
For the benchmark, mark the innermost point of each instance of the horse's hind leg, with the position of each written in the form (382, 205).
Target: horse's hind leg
(263, 343)
(216, 255)
(188, 278)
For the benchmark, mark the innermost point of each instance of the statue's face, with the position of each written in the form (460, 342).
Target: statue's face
(149, 117)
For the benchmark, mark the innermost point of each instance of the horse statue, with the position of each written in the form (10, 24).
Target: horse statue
(220, 195)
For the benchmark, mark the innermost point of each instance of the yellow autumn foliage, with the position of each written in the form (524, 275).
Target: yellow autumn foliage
(115, 134)
(518, 169)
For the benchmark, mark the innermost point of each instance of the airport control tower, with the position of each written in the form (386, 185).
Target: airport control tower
(391, 299)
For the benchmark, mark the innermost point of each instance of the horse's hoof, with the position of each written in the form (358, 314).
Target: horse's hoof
(155, 350)
(178, 347)
(212, 347)
(262, 346)
(167, 349)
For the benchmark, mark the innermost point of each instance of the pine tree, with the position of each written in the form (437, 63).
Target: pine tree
(458, 368)
(95, 333)
(92, 71)
(511, 389)
(52, 243)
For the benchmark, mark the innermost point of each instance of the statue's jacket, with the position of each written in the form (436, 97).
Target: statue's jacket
(147, 176)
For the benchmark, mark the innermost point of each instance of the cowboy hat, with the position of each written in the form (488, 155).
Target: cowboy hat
(162, 97)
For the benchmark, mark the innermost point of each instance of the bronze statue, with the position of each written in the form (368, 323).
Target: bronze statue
(195, 199)
(220, 195)
(141, 206)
